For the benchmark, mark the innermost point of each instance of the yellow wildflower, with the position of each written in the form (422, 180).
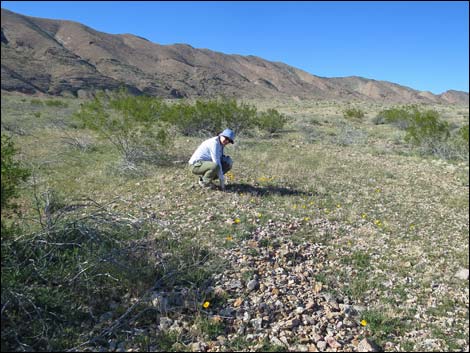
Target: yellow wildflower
(364, 215)
(338, 205)
(306, 219)
(206, 305)
(229, 238)
(363, 322)
(236, 220)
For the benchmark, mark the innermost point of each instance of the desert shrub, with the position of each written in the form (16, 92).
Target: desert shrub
(427, 131)
(209, 117)
(56, 103)
(348, 135)
(463, 134)
(271, 121)
(12, 172)
(353, 114)
(398, 116)
(35, 101)
(191, 121)
(455, 147)
(426, 127)
(132, 124)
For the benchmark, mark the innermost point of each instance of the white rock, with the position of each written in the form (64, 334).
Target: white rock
(462, 274)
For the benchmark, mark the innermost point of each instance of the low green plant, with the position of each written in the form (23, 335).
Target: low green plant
(56, 103)
(381, 326)
(209, 327)
(353, 114)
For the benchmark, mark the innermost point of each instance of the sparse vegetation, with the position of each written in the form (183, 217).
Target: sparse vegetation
(353, 114)
(346, 213)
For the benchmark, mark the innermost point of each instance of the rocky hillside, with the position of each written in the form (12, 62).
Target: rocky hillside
(42, 56)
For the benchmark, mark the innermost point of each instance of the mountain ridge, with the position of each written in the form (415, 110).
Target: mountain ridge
(61, 57)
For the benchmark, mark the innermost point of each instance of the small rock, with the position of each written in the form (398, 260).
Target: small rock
(252, 285)
(165, 323)
(321, 345)
(368, 346)
(198, 347)
(462, 274)
(332, 342)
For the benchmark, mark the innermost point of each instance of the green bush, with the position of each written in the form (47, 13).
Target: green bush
(353, 114)
(56, 103)
(132, 124)
(209, 117)
(463, 134)
(12, 172)
(426, 127)
(271, 121)
(398, 116)
(127, 121)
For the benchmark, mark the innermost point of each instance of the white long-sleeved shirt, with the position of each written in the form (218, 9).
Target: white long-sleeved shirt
(210, 150)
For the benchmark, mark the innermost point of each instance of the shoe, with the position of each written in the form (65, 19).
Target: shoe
(201, 183)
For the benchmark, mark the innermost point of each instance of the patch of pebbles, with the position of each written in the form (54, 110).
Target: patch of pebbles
(274, 296)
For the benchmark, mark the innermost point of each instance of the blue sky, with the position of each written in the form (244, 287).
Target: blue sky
(422, 44)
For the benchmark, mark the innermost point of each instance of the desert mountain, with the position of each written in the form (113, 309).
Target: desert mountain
(55, 57)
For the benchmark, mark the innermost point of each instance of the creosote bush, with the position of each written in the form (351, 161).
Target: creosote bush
(353, 114)
(137, 123)
(271, 121)
(426, 130)
(132, 124)
(12, 172)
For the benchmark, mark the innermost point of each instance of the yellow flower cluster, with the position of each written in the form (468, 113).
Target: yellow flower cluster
(264, 179)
